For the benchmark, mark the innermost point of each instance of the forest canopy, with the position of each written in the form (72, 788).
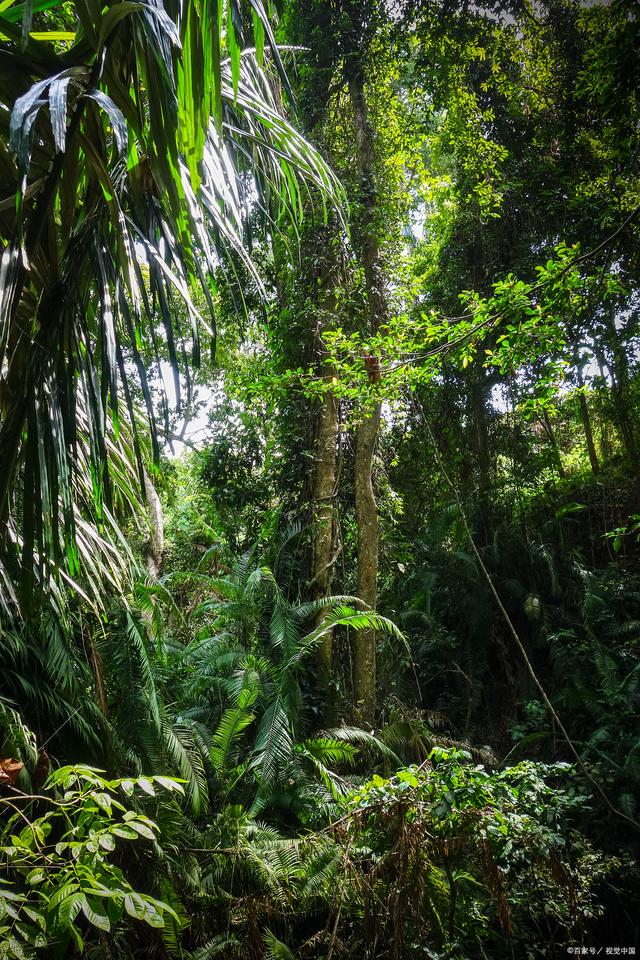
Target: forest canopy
(319, 479)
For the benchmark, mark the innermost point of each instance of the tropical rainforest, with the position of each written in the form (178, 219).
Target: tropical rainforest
(319, 479)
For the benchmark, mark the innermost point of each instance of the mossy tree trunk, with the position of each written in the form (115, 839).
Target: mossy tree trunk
(323, 493)
(364, 666)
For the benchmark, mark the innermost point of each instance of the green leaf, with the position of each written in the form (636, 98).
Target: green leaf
(107, 842)
(58, 110)
(69, 909)
(115, 115)
(135, 906)
(142, 829)
(124, 831)
(32, 935)
(95, 914)
(169, 783)
(146, 785)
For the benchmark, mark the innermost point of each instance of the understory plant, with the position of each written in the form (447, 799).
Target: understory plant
(238, 687)
(64, 883)
(445, 859)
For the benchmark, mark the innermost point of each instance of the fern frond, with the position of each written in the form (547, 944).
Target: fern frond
(368, 740)
(276, 949)
(273, 748)
(229, 729)
(223, 943)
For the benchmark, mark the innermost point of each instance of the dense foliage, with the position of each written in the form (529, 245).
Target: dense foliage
(319, 452)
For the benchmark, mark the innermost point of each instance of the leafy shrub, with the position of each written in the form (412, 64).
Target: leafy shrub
(479, 862)
(62, 882)
(446, 859)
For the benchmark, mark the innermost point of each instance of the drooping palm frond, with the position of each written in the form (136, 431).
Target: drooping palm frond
(340, 615)
(128, 162)
(321, 753)
(47, 680)
(141, 731)
(272, 751)
(185, 752)
(330, 750)
(355, 735)
(16, 740)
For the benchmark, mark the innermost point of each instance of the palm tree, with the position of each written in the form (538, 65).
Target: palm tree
(135, 137)
(243, 672)
(131, 151)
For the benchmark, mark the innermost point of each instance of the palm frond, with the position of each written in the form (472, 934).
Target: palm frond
(272, 751)
(232, 724)
(15, 737)
(224, 943)
(276, 949)
(353, 735)
(134, 158)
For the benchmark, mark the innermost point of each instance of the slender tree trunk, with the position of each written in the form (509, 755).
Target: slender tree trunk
(479, 389)
(155, 545)
(604, 400)
(586, 424)
(322, 516)
(323, 271)
(364, 666)
(620, 396)
(553, 443)
(367, 572)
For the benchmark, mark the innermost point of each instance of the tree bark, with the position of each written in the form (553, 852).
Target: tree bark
(364, 664)
(620, 395)
(322, 508)
(364, 667)
(553, 443)
(155, 544)
(586, 424)
(602, 396)
(479, 389)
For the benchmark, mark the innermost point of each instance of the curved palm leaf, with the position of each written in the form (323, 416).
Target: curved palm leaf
(128, 163)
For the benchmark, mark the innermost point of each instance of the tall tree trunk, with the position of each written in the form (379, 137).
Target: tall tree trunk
(604, 404)
(323, 272)
(322, 519)
(479, 407)
(155, 545)
(620, 395)
(553, 443)
(478, 395)
(586, 424)
(323, 494)
(364, 666)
